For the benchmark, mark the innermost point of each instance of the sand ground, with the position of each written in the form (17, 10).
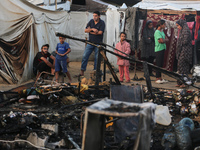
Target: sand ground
(74, 68)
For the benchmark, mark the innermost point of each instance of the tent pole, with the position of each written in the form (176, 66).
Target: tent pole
(55, 4)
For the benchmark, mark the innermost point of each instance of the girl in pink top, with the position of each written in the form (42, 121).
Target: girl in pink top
(123, 64)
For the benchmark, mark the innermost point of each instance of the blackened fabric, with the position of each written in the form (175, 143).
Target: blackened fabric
(38, 56)
(159, 61)
(100, 26)
(148, 42)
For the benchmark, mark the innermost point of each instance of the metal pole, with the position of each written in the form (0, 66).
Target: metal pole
(98, 67)
(148, 80)
(110, 68)
(104, 68)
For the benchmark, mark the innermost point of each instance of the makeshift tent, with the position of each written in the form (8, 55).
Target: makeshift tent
(171, 11)
(118, 20)
(151, 10)
(25, 28)
(36, 2)
(113, 30)
(120, 2)
(165, 5)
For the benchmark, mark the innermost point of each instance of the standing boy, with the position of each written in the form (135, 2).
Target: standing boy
(62, 49)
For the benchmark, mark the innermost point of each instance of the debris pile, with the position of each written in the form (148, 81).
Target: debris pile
(47, 116)
(177, 119)
(57, 116)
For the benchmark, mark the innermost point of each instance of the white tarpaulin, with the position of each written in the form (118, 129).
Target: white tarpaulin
(26, 27)
(169, 5)
(113, 31)
(36, 2)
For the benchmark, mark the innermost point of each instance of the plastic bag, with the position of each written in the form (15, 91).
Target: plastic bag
(169, 140)
(163, 116)
(187, 122)
(183, 137)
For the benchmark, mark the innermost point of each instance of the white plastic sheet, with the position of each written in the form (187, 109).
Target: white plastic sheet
(170, 5)
(113, 31)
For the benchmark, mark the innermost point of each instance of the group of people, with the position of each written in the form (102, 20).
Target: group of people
(154, 46)
(44, 61)
(95, 28)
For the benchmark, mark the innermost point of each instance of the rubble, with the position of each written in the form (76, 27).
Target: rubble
(184, 109)
(52, 116)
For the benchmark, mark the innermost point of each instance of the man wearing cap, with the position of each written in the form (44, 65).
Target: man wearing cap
(41, 63)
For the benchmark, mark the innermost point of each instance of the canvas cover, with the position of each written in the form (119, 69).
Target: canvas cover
(25, 28)
(169, 5)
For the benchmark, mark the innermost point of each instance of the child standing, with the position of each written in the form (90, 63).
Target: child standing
(123, 64)
(62, 49)
(160, 47)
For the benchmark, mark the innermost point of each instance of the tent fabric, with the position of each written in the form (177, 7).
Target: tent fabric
(113, 31)
(131, 25)
(169, 5)
(71, 24)
(191, 26)
(197, 27)
(36, 2)
(16, 29)
(26, 27)
(15, 55)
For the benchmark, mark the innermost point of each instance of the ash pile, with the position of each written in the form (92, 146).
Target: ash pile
(44, 115)
(177, 119)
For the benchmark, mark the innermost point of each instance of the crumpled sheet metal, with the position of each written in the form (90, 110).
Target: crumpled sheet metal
(126, 93)
(99, 107)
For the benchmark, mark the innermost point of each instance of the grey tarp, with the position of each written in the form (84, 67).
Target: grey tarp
(131, 25)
